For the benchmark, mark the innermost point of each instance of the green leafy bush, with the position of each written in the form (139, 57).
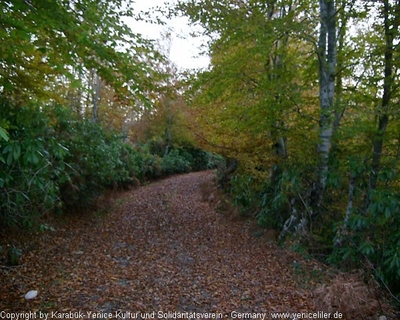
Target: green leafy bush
(149, 164)
(100, 159)
(52, 161)
(242, 192)
(188, 158)
(372, 238)
(199, 159)
(175, 162)
(32, 164)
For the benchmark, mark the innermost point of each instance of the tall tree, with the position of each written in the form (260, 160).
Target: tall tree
(391, 20)
(246, 102)
(327, 57)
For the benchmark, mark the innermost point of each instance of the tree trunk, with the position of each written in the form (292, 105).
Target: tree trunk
(169, 124)
(96, 84)
(383, 120)
(342, 18)
(341, 233)
(327, 68)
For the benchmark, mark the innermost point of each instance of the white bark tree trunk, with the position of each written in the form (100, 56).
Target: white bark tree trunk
(96, 84)
(327, 56)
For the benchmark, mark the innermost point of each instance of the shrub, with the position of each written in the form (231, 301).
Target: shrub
(98, 159)
(32, 164)
(199, 159)
(54, 161)
(175, 162)
(149, 164)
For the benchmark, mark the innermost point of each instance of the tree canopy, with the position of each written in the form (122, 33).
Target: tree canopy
(45, 42)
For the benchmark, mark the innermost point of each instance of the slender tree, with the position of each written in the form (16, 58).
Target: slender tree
(391, 20)
(327, 57)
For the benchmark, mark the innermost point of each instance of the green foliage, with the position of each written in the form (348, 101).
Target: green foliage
(374, 236)
(249, 98)
(181, 158)
(43, 41)
(201, 159)
(54, 162)
(152, 166)
(175, 162)
(96, 162)
(242, 192)
(3, 134)
(34, 160)
(280, 193)
(187, 158)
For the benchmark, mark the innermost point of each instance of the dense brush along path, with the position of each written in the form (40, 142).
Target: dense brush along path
(160, 248)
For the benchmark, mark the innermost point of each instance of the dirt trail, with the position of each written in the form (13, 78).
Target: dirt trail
(160, 248)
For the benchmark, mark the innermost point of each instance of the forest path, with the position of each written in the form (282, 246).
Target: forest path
(161, 247)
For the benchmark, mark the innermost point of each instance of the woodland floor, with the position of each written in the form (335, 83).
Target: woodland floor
(160, 247)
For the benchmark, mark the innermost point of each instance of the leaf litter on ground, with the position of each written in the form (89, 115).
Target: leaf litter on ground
(161, 247)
